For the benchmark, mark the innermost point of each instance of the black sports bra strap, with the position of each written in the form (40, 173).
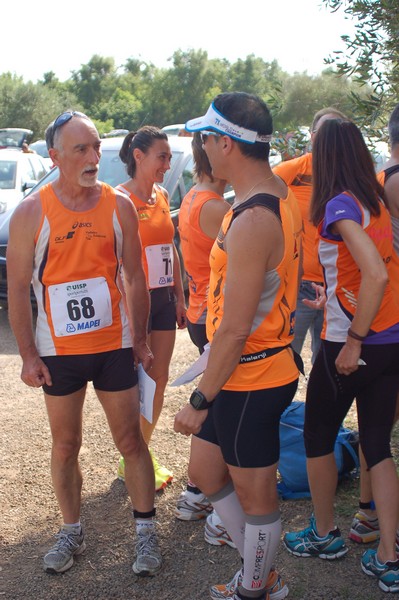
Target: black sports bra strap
(267, 200)
(391, 171)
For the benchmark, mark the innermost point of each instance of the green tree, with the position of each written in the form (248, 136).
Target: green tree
(371, 56)
(94, 82)
(28, 105)
(122, 109)
(181, 91)
(303, 95)
(138, 81)
(254, 76)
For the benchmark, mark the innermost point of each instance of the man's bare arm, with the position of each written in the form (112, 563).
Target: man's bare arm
(20, 255)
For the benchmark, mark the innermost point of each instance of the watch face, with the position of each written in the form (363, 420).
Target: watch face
(198, 400)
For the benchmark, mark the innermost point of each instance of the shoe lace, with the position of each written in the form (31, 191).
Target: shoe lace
(66, 542)
(235, 582)
(309, 531)
(147, 543)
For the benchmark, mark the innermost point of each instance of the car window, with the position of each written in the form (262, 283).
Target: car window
(188, 174)
(40, 147)
(26, 169)
(38, 167)
(8, 171)
(176, 158)
(184, 183)
(13, 137)
(111, 169)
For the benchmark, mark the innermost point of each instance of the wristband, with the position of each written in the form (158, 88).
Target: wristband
(356, 336)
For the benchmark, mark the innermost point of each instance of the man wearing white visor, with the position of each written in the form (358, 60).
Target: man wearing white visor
(251, 376)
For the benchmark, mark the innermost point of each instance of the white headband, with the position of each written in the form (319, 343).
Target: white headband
(216, 121)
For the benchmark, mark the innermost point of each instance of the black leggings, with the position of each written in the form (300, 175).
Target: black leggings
(330, 395)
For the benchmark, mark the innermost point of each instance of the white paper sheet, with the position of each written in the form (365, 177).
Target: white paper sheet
(147, 391)
(197, 368)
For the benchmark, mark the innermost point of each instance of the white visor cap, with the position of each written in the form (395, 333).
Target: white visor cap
(217, 122)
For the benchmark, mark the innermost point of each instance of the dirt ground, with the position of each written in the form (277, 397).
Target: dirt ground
(29, 515)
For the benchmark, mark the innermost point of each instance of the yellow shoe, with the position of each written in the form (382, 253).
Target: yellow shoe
(160, 483)
(121, 469)
(162, 474)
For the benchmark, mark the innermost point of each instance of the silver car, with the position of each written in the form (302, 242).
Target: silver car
(19, 172)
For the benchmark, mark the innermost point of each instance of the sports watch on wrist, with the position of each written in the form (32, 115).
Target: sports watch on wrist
(198, 400)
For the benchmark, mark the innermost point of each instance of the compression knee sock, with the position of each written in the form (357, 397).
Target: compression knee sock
(262, 538)
(229, 509)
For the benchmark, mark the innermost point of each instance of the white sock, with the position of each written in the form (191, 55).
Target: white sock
(144, 524)
(71, 526)
(262, 539)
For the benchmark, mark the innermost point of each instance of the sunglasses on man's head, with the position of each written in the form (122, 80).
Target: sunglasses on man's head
(204, 135)
(62, 119)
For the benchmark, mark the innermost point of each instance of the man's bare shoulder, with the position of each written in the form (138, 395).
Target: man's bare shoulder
(127, 212)
(123, 201)
(28, 208)
(256, 224)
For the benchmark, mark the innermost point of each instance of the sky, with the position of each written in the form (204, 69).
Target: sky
(43, 36)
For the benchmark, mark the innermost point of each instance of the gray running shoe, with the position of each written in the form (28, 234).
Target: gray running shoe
(148, 558)
(60, 557)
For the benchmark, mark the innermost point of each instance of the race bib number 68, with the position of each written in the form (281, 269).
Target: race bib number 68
(80, 306)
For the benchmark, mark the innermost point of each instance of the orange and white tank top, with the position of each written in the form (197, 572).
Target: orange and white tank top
(383, 177)
(196, 246)
(273, 323)
(76, 265)
(297, 174)
(342, 274)
(156, 232)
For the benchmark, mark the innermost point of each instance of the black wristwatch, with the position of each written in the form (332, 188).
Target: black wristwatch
(198, 401)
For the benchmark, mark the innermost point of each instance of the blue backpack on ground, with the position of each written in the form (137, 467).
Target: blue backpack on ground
(292, 465)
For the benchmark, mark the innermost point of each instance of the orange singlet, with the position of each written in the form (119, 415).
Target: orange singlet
(343, 277)
(76, 264)
(297, 174)
(272, 326)
(393, 265)
(156, 232)
(196, 247)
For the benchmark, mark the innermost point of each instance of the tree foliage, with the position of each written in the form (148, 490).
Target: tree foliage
(138, 93)
(28, 105)
(371, 57)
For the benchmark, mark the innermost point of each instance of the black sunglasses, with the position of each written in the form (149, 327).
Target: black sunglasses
(204, 135)
(60, 121)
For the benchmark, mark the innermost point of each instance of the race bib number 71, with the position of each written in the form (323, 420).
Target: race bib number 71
(80, 306)
(160, 265)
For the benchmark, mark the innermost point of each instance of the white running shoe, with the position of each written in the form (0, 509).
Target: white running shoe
(215, 532)
(192, 507)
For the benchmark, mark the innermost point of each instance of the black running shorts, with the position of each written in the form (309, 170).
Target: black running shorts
(246, 425)
(163, 310)
(112, 371)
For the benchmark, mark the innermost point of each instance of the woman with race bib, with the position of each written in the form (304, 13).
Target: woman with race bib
(147, 155)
